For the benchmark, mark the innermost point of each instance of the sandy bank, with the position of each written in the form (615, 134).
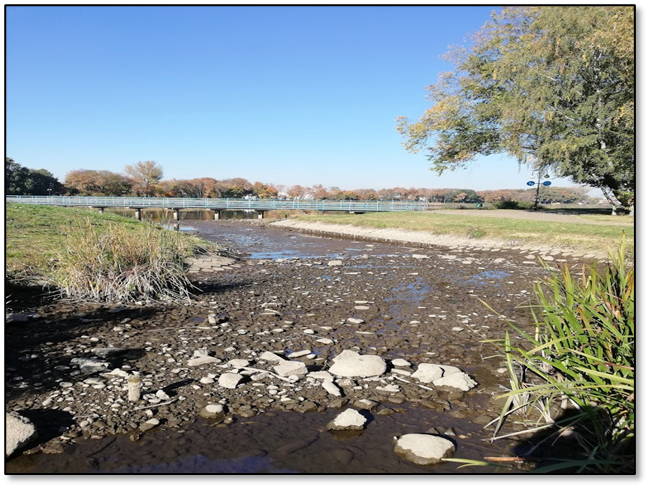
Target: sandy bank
(427, 239)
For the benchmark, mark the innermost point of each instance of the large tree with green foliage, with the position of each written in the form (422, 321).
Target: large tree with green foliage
(24, 181)
(553, 86)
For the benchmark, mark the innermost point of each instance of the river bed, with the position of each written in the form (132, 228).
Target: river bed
(421, 305)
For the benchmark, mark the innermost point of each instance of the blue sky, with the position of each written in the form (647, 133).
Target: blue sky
(284, 95)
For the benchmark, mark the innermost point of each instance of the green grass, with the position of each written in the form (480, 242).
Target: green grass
(76, 248)
(577, 235)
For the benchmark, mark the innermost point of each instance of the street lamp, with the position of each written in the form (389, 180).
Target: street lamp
(49, 191)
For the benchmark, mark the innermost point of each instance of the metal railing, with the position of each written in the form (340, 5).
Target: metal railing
(220, 203)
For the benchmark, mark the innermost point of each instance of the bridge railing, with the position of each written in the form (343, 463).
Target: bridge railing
(219, 203)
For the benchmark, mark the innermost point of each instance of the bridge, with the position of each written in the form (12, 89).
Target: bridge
(217, 204)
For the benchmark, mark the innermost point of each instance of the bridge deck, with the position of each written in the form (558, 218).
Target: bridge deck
(219, 203)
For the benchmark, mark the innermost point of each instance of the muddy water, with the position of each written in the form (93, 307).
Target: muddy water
(275, 441)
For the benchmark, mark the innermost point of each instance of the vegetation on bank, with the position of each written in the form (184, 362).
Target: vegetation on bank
(574, 378)
(93, 256)
(583, 235)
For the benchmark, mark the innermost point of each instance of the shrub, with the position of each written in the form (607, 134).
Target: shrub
(114, 263)
(578, 369)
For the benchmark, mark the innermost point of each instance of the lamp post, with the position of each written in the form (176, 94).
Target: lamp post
(538, 184)
(49, 192)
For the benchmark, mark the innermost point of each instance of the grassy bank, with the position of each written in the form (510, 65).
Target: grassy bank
(579, 234)
(97, 256)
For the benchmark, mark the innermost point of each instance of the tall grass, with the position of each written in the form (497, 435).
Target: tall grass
(577, 371)
(111, 263)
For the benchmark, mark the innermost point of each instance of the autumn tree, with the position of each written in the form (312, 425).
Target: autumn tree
(97, 182)
(553, 86)
(145, 174)
(264, 190)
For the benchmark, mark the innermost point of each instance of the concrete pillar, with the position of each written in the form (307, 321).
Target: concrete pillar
(176, 214)
(260, 214)
(138, 214)
(101, 209)
(216, 215)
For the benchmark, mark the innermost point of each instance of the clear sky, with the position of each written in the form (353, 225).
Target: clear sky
(285, 95)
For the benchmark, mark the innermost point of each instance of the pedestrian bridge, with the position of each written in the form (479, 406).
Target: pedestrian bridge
(218, 204)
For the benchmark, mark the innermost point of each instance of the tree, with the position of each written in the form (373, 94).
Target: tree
(94, 182)
(552, 86)
(145, 175)
(24, 181)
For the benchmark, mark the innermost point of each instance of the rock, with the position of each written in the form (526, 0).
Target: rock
(230, 380)
(423, 449)
(90, 365)
(461, 381)
(364, 403)
(427, 373)
(400, 363)
(104, 352)
(200, 357)
(149, 424)
(420, 256)
(271, 357)
(320, 375)
(350, 419)
(289, 368)
(335, 262)
(19, 431)
(440, 375)
(15, 317)
(299, 354)
(388, 388)
(355, 321)
(349, 364)
(331, 388)
(212, 411)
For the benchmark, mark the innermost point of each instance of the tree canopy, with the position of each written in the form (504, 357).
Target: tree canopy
(24, 181)
(553, 86)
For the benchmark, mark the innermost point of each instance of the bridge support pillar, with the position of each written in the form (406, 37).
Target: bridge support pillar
(216, 215)
(138, 214)
(176, 213)
(101, 209)
(260, 214)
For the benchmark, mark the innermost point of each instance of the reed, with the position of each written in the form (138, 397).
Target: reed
(109, 262)
(577, 370)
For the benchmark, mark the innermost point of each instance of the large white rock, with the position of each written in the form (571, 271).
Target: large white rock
(230, 380)
(350, 419)
(350, 365)
(200, 357)
(424, 449)
(441, 375)
(19, 431)
(461, 381)
(290, 368)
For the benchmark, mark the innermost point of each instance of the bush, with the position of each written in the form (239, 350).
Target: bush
(113, 263)
(578, 369)
(514, 205)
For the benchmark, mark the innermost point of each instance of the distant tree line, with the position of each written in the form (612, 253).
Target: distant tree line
(145, 179)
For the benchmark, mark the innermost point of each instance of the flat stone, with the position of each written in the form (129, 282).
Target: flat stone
(424, 449)
(289, 368)
(355, 321)
(238, 363)
(299, 354)
(335, 262)
(230, 380)
(331, 388)
(272, 357)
